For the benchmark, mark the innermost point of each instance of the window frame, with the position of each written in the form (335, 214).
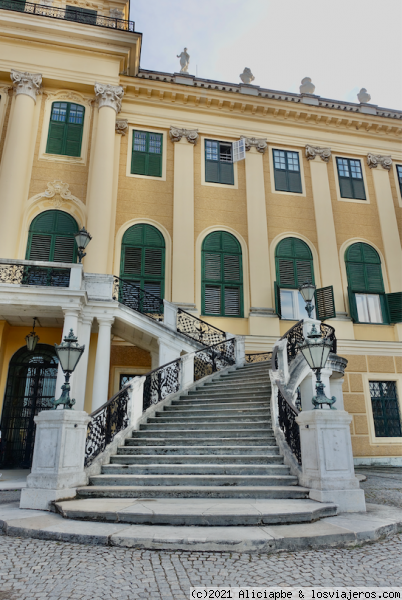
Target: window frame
(53, 236)
(337, 185)
(398, 185)
(373, 376)
(287, 169)
(66, 124)
(130, 136)
(222, 139)
(270, 153)
(147, 152)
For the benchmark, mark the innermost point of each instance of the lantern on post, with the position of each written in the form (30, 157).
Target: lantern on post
(315, 350)
(307, 291)
(69, 353)
(82, 239)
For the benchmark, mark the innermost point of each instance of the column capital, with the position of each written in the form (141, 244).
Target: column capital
(259, 144)
(373, 160)
(28, 84)
(176, 134)
(121, 126)
(105, 320)
(313, 151)
(109, 95)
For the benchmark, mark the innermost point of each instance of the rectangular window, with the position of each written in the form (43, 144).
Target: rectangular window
(384, 401)
(369, 308)
(80, 15)
(147, 154)
(350, 175)
(399, 173)
(218, 162)
(293, 306)
(287, 171)
(65, 129)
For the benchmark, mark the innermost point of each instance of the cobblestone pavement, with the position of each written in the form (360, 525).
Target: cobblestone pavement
(45, 570)
(383, 485)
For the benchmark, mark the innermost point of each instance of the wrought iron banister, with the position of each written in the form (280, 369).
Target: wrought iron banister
(67, 14)
(197, 329)
(214, 358)
(295, 336)
(21, 274)
(161, 382)
(287, 414)
(134, 297)
(329, 332)
(258, 357)
(106, 422)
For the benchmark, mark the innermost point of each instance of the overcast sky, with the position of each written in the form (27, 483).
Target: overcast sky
(343, 45)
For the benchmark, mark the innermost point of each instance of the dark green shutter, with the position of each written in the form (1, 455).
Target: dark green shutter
(73, 139)
(356, 279)
(155, 165)
(358, 189)
(39, 247)
(281, 183)
(287, 180)
(138, 163)
(277, 292)
(55, 138)
(51, 237)
(212, 171)
(286, 275)
(212, 300)
(294, 263)
(226, 173)
(218, 171)
(350, 187)
(146, 162)
(345, 186)
(352, 306)
(363, 268)
(324, 303)
(294, 182)
(394, 302)
(65, 138)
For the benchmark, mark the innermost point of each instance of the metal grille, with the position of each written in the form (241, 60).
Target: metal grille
(213, 359)
(161, 382)
(34, 275)
(71, 15)
(329, 332)
(384, 400)
(30, 387)
(258, 357)
(134, 297)
(106, 423)
(287, 421)
(198, 330)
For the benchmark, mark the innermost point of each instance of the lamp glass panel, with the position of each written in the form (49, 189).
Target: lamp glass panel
(82, 239)
(308, 293)
(31, 341)
(68, 357)
(316, 355)
(302, 307)
(307, 355)
(325, 354)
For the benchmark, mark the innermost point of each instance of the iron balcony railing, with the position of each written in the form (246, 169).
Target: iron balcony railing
(257, 357)
(287, 414)
(68, 14)
(198, 330)
(132, 296)
(21, 274)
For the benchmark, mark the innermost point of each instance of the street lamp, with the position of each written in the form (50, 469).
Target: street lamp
(307, 291)
(32, 339)
(315, 350)
(69, 353)
(82, 239)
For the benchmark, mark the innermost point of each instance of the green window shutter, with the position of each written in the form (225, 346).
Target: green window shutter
(212, 267)
(153, 261)
(132, 261)
(51, 237)
(64, 249)
(304, 272)
(231, 268)
(39, 247)
(213, 242)
(155, 165)
(358, 189)
(212, 300)
(363, 268)
(352, 306)
(147, 154)
(394, 302)
(218, 162)
(324, 303)
(356, 279)
(287, 171)
(286, 273)
(374, 282)
(212, 171)
(294, 182)
(73, 140)
(281, 183)
(350, 177)
(345, 186)
(139, 163)
(277, 291)
(226, 173)
(55, 138)
(65, 129)
(232, 301)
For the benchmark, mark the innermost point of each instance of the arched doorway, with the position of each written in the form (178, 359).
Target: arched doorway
(30, 386)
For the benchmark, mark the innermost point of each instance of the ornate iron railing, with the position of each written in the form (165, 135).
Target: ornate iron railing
(213, 359)
(258, 357)
(35, 275)
(287, 414)
(198, 330)
(329, 332)
(295, 336)
(134, 297)
(67, 14)
(106, 423)
(161, 382)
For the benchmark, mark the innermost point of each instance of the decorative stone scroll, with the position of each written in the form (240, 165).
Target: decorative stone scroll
(258, 143)
(191, 135)
(28, 84)
(373, 160)
(121, 126)
(109, 95)
(313, 151)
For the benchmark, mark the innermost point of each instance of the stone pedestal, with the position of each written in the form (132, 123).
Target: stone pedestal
(327, 459)
(58, 461)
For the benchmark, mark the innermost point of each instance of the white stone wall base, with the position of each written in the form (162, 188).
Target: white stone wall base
(347, 500)
(41, 499)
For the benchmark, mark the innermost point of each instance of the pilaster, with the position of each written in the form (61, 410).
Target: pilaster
(102, 362)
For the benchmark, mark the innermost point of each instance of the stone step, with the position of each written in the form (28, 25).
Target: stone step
(243, 417)
(198, 511)
(220, 433)
(241, 384)
(214, 413)
(202, 441)
(200, 491)
(234, 379)
(218, 405)
(195, 459)
(195, 480)
(227, 390)
(162, 450)
(203, 425)
(194, 469)
(222, 399)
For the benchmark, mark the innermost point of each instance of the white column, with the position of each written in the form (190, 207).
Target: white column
(100, 388)
(15, 163)
(80, 379)
(183, 217)
(70, 322)
(121, 128)
(101, 189)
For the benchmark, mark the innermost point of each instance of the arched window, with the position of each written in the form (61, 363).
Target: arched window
(143, 258)
(222, 275)
(51, 237)
(65, 129)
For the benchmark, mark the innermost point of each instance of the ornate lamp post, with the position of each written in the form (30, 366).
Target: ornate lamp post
(315, 350)
(307, 291)
(32, 339)
(82, 239)
(69, 353)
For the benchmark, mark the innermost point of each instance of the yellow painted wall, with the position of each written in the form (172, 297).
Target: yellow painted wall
(228, 324)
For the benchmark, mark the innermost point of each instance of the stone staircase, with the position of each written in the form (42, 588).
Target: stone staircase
(214, 443)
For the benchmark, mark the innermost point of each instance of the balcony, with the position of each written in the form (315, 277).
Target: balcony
(42, 274)
(69, 13)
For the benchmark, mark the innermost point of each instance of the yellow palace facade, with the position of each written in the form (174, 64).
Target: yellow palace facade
(151, 165)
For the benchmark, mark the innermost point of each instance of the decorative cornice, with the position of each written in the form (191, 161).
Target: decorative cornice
(57, 192)
(28, 84)
(176, 134)
(121, 126)
(313, 151)
(259, 144)
(373, 160)
(109, 95)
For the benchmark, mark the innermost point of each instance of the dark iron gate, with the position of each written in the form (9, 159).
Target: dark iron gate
(30, 386)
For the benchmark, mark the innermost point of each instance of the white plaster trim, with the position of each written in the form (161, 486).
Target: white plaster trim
(286, 234)
(150, 129)
(369, 348)
(4, 100)
(398, 189)
(198, 271)
(362, 159)
(223, 138)
(373, 440)
(76, 98)
(168, 251)
(300, 152)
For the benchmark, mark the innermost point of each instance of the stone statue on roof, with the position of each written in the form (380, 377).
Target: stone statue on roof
(247, 77)
(184, 61)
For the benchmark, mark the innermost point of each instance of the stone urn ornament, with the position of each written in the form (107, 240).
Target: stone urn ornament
(307, 86)
(247, 77)
(363, 96)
